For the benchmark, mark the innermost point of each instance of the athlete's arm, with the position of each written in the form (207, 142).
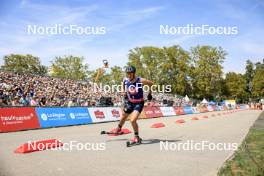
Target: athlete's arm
(146, 82)
(149, 83)
(124, 91)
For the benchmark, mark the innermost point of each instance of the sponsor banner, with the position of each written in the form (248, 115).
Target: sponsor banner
(230, 103)
(218, 108)
(98, 114)
(187, 110)
(178, 110)
(243, 106)
(195, 110)
(113, 114)
(52, 117)
(152, 112)
(167, 111)
(15, 119)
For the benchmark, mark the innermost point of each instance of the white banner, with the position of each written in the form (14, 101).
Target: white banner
(98, 114)
(167, 111)
(104, 114)
(113, 113)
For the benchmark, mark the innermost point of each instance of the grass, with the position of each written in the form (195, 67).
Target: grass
(248, 160)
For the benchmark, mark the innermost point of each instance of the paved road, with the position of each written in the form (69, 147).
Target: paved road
(150, 158)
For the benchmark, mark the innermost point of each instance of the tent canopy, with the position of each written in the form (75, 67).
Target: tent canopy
(204, 101)
(186, 98)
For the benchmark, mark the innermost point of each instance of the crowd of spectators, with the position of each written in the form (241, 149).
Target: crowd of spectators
(163, 99)
(32, 90)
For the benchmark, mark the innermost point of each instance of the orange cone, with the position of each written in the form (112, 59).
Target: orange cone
(195, 118)
(158, 125)
(38, 146)
(180, 121)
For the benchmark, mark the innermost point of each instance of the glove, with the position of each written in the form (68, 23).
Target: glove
(149, 96)
(125, 97)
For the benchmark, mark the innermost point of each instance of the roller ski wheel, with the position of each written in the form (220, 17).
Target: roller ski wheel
(134, 141)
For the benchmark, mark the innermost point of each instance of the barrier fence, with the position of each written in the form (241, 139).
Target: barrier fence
(24, 118)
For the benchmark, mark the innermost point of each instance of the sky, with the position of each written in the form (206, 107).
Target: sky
(129, 24)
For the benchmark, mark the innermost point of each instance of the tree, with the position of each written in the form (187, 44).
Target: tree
(117, 75)
(164, 66)
(147, 60)
(236, 86)
(224, 94)
(249, 76)
(258, 81)
(69, 67)
(207, 71)
(175, 70)
(25, 64)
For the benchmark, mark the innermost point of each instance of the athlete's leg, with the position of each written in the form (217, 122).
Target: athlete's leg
(128, 108)
(134, 116)
(133, 119)
(123, 119)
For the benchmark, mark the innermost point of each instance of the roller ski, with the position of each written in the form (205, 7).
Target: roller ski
(135, 141)
(112, 132)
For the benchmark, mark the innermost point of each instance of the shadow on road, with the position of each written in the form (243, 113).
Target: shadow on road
(113, 140)
(154, 141)
(146, 141)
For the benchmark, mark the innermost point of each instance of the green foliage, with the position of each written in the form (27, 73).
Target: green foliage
(164, 66)
(258, 81)
(236, 85)
(249, 158)
(207, 71)
(25, 64)
(249, 76)
(146, 60)
(198, 73)
(117, 75)
(69, 67)
(176, 67)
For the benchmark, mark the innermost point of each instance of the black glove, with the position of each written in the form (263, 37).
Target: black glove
(149, 96)
(125, 97)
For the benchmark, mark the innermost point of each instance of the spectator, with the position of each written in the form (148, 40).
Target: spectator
(34, 101)
(2, 102)
(30, 90)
